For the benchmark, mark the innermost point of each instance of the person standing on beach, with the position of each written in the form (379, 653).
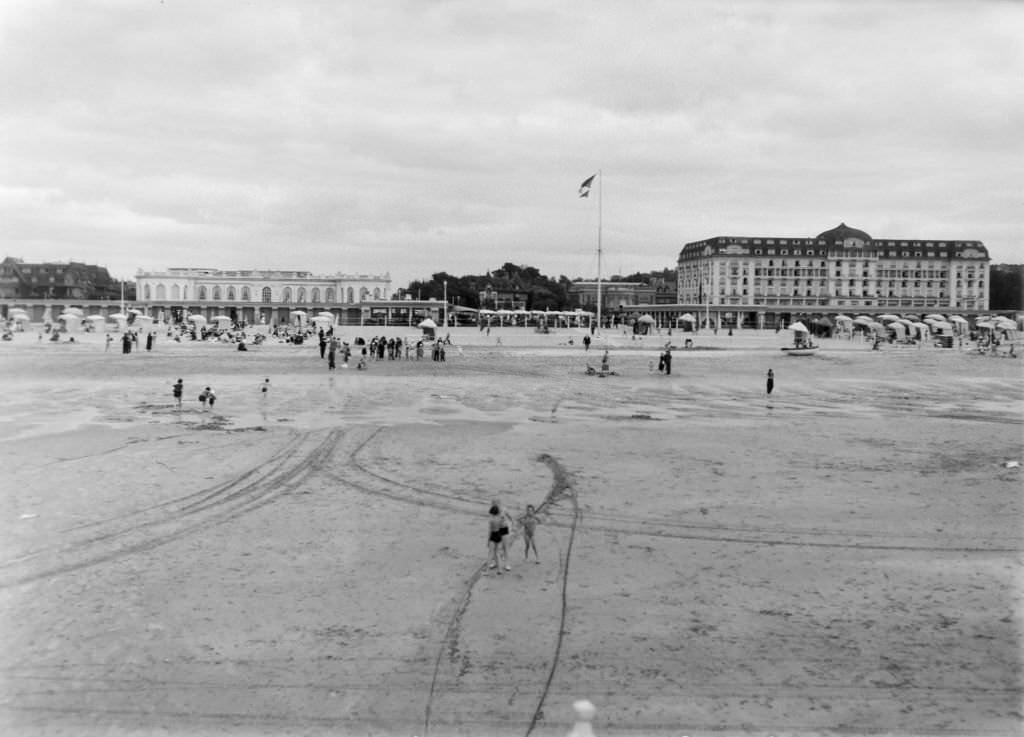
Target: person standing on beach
(770, 383)
(178, 389)
(530, 522)
(109, 341)
(265, 389)
(203, 396)
(494, 539)
(505, 519)
(668, 361)
(210, 397)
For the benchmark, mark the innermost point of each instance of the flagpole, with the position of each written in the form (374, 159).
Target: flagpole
(600, 188)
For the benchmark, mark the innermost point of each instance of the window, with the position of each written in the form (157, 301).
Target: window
(245, 294)
(301, 295)
(231, 294)
(329, 295)
(202, 294)
(146, 291)
(286, 294)
(265, 295)
(315, 297)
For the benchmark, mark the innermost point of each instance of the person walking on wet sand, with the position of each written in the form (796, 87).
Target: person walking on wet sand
(529, 522)
(770, 383)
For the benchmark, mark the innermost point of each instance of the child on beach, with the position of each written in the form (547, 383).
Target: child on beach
(529, 522)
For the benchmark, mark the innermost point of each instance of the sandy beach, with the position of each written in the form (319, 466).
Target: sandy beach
(842, 557)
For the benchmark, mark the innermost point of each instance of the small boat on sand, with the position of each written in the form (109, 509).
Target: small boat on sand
(800, 350)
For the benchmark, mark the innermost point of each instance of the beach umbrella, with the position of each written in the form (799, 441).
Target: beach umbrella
(844, 318)
(798, 327)
(96, 318)
(199, 320)
(823, 322)
(135, 311)
(325, 314)
(985, 324)
(77, 311)
(877, 327)
(935, 317)
(958, 318)
(887, 318)
(862, 321)
(118, 316)
(897, 327)
(20, 317)
(688, 318)
(428, 323)
(646, 319)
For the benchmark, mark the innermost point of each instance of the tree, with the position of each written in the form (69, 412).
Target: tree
(1006, 287)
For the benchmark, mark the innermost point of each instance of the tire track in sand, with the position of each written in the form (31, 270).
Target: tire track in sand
(561, 487)
(306, 455)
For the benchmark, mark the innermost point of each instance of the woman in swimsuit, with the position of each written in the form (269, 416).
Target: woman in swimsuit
(495, 538)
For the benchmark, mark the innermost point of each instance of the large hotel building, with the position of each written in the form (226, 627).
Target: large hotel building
(841, 269)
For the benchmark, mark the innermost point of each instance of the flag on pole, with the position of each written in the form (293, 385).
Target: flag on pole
(585, 187)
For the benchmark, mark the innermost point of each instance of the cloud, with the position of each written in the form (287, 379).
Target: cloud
(419, 137)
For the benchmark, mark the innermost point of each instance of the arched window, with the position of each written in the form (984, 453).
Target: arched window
(161, 292)
(315, 296)
(301, 295)
(376, 293)
(286, 294)
(245, 294)
(146, 292)
(175, 292)
(231, 294)
(351, 296)
(266, 294)
(184, 293)
(216, 294)
(329, 295)
(202, 294)
(363, 294)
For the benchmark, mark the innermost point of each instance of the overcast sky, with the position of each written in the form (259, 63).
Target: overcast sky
(417, 137)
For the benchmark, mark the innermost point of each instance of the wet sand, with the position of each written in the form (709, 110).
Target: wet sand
(842, 557)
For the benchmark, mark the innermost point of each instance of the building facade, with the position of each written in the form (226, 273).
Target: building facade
(842, 268)
(55, 280)
(615, 295)
(257, 296)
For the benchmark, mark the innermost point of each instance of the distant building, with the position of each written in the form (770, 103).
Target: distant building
(615, 295)
(503, 299)
(253, 295)
(840, 268)
(53, 280)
